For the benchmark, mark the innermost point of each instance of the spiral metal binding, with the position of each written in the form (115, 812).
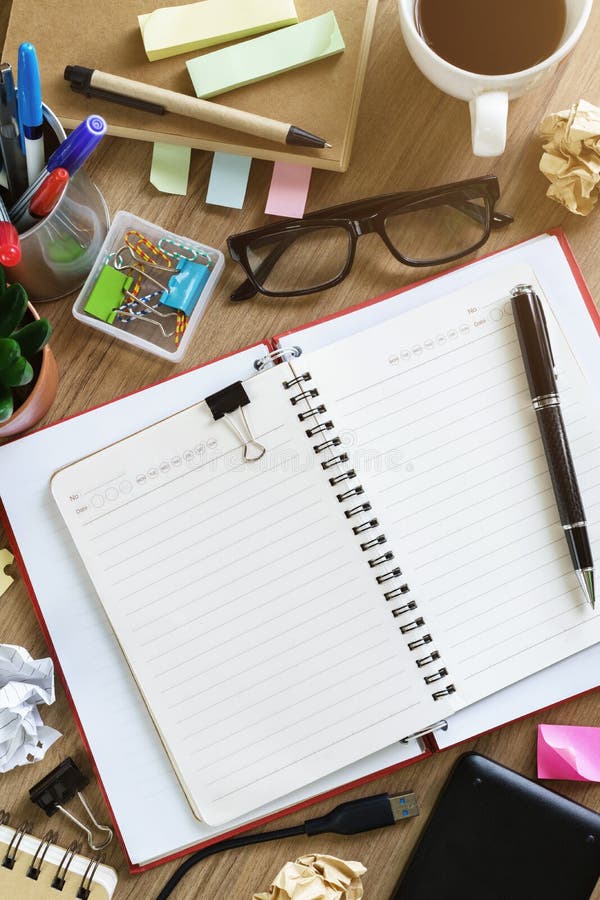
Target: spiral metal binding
(442, 725)
(11, 854)
(38, 857)
(390, 578)
(58, 882)
(85, 888)
(274, 356)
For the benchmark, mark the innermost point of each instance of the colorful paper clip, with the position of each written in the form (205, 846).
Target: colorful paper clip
(132, 286)
(177, 250)
(129, 311)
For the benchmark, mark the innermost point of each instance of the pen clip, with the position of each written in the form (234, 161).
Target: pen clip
(547, 338)
(79, 78)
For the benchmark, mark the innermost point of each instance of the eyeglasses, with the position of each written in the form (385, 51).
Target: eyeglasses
(420, 228)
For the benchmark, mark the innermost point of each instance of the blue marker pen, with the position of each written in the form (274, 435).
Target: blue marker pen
(14, 161)
(69, 155)
(31, 115)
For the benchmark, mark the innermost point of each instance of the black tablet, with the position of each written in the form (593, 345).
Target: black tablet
(496, 835)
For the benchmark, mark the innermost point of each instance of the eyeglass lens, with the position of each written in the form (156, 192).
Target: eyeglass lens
(299, 260)
(434, 233)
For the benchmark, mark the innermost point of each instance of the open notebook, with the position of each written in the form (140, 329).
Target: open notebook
(393, 558)
(152, 816)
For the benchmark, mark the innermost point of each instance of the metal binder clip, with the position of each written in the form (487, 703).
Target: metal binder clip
(58, 788)
(185, 286)
(230, 400)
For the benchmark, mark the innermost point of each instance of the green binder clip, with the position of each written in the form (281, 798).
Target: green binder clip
(107, 294)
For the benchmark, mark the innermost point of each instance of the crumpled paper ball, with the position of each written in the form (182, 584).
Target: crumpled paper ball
(317, 877)
(571, 159)
(24, 682)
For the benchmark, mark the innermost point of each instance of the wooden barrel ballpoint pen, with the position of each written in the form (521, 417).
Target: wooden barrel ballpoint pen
(148, 97)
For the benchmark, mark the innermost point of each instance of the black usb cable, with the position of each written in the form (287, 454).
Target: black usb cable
(353, 817)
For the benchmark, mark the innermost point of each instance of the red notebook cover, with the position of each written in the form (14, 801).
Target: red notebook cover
(432, 746)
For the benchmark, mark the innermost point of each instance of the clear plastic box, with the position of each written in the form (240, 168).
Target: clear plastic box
(153, 332)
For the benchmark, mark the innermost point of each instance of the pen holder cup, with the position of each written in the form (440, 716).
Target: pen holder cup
(59, 251)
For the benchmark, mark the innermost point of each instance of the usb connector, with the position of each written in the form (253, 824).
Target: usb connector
(404, 806)
(365, 814)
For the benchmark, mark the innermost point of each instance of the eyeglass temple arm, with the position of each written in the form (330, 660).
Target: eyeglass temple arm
(500, 220)
(246, 289)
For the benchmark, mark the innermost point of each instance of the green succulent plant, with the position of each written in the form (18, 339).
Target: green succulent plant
(19, 345)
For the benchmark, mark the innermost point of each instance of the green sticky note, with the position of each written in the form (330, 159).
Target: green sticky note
(170, 168)
(179, 29)
(265, 56)
(108, 294)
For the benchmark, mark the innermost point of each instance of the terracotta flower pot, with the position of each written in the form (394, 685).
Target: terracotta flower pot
(40, 397)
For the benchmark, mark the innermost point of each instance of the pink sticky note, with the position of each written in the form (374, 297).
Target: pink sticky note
(289, 190)
(568, 752)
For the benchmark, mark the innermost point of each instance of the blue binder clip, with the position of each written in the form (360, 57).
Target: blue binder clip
(185, 286)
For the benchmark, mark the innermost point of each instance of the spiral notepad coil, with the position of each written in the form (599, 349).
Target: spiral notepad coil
(395, 589)
(35, 852)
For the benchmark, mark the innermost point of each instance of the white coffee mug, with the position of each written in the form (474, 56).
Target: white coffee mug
(488, 95)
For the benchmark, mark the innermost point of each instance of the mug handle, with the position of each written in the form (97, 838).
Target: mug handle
(489, 112)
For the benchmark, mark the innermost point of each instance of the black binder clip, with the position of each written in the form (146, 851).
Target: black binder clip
(60, 786)
(230, 400)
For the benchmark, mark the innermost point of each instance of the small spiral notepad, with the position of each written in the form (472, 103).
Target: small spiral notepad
(34, 868)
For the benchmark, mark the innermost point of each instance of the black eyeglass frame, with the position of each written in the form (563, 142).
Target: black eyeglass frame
(364, 217)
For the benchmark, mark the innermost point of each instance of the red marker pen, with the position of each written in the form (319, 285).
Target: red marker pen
(10, 247)
(48, 194)
(43, 200)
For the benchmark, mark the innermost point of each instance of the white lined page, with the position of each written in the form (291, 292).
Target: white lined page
(249, 618)
(438, 420)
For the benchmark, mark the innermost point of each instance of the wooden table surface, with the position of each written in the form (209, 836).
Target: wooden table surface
(409, 136)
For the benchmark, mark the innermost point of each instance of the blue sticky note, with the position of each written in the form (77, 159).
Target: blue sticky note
(228, 180)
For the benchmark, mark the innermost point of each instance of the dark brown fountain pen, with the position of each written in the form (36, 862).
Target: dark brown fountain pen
(539, 367)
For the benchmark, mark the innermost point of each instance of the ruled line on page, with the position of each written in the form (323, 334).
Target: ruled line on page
(353, 410)
(176, 516)
(448, 353)
(184, 700)
(307, 756)
(452, 452)
(268, 698)
(194, 470)
(207, 613)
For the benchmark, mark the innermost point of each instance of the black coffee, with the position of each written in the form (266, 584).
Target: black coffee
(492, 37)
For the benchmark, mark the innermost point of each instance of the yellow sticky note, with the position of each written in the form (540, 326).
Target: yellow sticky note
(170, 168)
(178, 29)
(6, 558)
